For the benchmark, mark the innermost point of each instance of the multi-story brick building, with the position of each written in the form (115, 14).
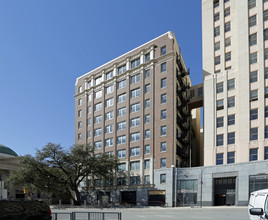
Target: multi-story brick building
(135, 107)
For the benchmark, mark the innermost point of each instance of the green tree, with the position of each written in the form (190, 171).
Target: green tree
(55, 170)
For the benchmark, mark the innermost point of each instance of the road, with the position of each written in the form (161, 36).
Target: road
(218, 213)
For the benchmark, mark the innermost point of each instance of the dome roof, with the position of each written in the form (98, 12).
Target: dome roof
(7, 151)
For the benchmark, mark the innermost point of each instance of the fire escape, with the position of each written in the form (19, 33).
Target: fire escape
(183, 114)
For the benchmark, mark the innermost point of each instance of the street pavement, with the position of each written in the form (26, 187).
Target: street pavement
(158, 213)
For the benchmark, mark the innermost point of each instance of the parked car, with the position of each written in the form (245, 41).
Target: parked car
(24, 210)
(258, 205)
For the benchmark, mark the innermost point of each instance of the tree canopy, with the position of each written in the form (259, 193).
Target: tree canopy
(55, 170)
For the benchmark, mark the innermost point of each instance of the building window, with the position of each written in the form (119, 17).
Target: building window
(220, 104)
(227, 12)
(147, 103)
(89, 109)
(217, 31)
(136, 78)
(219, 159)
(79, 113)
(217, 60)
(122, 98)
(135, 151)
(135, 107)
(122, 84)
(266, 92)
(163, 67)
(109, 89)
(135, 137)
(162, 178)
(216, 3)
(147, 149)
(265, 15)
(163, 162)
(163, 114)
(135, 93)
(122, 69)
(253, 58)
(98, 106)
(265, 34)
(200, 91)
(109, 75)
(220, 122)
(163, 147)
(147, 164)
(89, 134)
(79, 125)
(109, 129)
(217, 16)
(230, 157)
(135, 165)
(253, 154)
(231, 102)
(147, 74)
(253, 76)
(121, 126)
(163, 82)
(135, 122)
(266, 111)
(253, 134)
(97, 145)
(251, 4)
(231, 84)
(147, 179)
(227, 56)
(163, 98)
(163, 50)
(231, 138)
(227, 42)
(217, 46)
(122, 167)
(134, 180)
(266, 73)
(98, 80)
(109, 102)
(79, 102)
(163, 130)
(97, 132)
(121, 139)
(121, 181)
(97, 119)
(266, 53)
(266, 132)
(147, 119)
(121, 112)
(227, 26)
(252, 21)
(219, 140)
(135, 63)
(147, 88)
(147, 134)
(253, 96)
(109, 142)
(253, 114)
(79, 136)
(252, 39)
(219, 88)
(231, 119)
(121, 154)
(89, 122)
(147, 57)
(79, 89)
(266, 153)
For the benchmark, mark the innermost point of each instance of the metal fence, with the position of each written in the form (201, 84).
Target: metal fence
(86, 216)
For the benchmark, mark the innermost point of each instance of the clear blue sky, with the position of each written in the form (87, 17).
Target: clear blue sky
(46, 44)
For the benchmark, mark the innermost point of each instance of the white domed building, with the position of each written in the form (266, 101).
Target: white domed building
(8, 163)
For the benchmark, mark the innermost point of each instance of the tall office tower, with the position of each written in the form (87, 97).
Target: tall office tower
(135, 108)
(235, 71)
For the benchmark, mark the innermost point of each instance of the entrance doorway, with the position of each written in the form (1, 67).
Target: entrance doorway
(128, 197)
(224, 191)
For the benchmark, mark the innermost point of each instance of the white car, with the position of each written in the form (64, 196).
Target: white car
(258, 205)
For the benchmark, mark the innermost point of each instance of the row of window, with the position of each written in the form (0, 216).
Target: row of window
(216, 3)
(252, 21)
(227, 12)
(252, 3)
(253, 135)
(227, 28)
(227, 43)
(230, 103)
(230, 85)
(253, 76)
(120, 70)
(253, 155)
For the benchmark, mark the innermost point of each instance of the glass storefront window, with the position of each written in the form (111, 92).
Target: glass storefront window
(258, 182)
(187, 192)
